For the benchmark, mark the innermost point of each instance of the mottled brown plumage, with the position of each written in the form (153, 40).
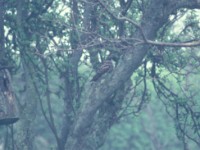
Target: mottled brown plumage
(105, 67)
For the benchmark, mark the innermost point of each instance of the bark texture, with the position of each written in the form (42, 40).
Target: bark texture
(154, 17)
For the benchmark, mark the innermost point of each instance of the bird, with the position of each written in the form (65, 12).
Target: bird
(106, 66)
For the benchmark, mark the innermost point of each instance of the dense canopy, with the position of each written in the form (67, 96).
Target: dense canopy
(77, 68)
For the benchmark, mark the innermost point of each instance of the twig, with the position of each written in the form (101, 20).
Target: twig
(122, 18)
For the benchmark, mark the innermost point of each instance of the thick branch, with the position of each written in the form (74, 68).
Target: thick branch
(98, 92)
(184, 44)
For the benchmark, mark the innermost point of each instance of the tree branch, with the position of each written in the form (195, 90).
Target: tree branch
(184, 44)
(122, 18)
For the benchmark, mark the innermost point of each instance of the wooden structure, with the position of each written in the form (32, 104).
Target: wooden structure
(8, 107)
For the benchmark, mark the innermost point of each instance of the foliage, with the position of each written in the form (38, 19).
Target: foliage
(54, 48)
